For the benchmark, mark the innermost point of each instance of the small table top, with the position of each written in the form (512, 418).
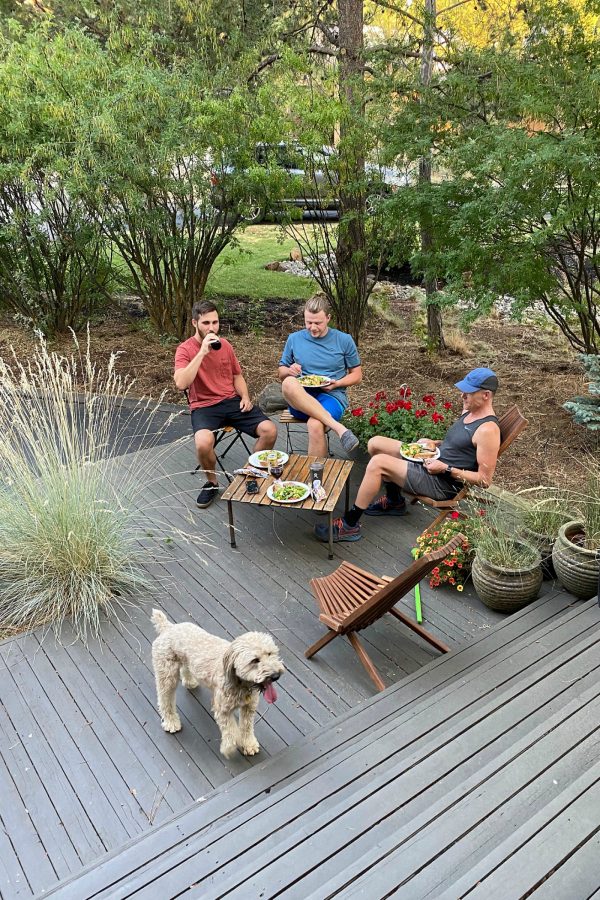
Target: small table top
(335, 475)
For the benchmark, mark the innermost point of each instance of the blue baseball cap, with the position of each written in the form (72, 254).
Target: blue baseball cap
(478, 380)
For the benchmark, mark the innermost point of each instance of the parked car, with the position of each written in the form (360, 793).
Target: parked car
(310, 182)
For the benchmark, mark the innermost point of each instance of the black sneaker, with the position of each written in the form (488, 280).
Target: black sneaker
(207, 495)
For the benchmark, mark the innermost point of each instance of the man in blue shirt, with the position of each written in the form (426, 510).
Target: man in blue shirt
(320, 350)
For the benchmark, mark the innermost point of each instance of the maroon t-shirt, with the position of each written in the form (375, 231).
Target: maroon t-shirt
(214, 381)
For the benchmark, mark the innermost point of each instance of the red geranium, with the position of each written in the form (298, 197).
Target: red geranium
(358, 411)
(374, 420)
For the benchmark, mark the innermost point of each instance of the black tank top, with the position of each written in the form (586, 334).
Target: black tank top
(457, 449)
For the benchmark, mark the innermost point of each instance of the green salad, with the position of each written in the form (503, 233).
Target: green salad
(289, 491)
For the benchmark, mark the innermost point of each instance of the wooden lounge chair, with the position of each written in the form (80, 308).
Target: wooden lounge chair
(511, 423)
(351, 599)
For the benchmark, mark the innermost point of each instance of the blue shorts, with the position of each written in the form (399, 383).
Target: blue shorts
(331, 404)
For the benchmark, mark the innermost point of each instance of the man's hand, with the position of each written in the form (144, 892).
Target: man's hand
(435, 466)
(245, 404)
(209, 338)
(328, 387)
(295, 369)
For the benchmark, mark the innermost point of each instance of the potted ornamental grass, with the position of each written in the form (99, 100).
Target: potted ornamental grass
(506, 569)
(576, 553)
(544, 512)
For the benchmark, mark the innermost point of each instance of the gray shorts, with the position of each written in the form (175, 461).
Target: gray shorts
(438, 487)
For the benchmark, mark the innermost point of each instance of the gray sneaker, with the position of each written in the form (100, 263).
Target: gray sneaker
(349, 441)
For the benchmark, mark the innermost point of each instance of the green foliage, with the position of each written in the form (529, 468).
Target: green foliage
(586, 410)
(401, 418)
(54, 264)
(494, 533)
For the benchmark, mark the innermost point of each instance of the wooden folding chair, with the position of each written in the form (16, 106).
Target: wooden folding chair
(231, 436)
(511, 423)
(351, 599)
(286, 418)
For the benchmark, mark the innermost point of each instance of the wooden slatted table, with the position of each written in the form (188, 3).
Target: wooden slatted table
(335, 478)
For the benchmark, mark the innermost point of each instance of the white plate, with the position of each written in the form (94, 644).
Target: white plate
(296, 499)
(255, 461)
(315, 387)
(412, 458)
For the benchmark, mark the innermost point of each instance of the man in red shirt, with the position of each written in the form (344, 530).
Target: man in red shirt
(207, 367)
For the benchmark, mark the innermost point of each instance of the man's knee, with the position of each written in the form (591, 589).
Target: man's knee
(315, 428)
(267, 430)
(289, 385)
(374, 445)
(204, 441)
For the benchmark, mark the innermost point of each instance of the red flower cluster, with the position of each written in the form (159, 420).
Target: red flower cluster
(397, 417)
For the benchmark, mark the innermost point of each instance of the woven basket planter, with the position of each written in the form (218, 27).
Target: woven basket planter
(545, 545)
(506, 589)
(576, 567)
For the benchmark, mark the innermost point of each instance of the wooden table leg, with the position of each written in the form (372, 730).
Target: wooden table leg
(347, 495)
(231, 528)
(331, 535)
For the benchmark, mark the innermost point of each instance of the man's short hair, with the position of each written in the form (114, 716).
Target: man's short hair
(318, 303)
(201, 307)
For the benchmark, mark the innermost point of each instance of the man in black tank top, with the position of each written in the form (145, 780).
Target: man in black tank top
(468, 455)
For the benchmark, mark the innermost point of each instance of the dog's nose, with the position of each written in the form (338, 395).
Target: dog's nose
(276, 677)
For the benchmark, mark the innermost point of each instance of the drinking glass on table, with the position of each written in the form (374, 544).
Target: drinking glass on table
(274, 465)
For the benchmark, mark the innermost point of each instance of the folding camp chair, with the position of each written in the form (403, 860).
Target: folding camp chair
(226, 436)
(351, 599)
(511, 423)
(286, 418)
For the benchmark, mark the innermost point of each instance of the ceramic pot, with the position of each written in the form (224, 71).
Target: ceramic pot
(576, 568)
(544, 544)
(506, 589)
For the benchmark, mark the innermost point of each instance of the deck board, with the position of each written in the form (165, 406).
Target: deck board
(100, 764)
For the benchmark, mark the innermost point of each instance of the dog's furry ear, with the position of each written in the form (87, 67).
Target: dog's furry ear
(229, 663)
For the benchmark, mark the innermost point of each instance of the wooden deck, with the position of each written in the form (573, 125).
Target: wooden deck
(85, 767)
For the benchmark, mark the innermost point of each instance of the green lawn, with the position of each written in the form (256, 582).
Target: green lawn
(243, 274)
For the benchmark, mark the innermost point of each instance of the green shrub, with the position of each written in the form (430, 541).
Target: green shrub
(586, 410)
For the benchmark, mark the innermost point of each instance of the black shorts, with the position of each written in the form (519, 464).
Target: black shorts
(228, 412)
(420, 481)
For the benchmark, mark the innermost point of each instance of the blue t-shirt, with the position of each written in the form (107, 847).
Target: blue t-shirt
(331, 355)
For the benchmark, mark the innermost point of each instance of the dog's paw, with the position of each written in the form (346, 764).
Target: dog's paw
(171, 725)
(228, 749)
(250, 748)
(190, 684)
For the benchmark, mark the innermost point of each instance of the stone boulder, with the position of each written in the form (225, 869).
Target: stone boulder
(271, 399)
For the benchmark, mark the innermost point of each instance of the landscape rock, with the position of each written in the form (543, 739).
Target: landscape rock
(271, 399)
(295, 255)
(274, 266)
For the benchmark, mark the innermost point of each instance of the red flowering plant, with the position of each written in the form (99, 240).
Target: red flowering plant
(454, 569)
(403, 417)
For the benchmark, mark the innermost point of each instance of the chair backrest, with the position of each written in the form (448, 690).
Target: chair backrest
(386, 597)
(511, 423)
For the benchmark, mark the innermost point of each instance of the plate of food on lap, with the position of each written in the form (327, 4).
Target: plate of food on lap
(415, 452)
(314, 381)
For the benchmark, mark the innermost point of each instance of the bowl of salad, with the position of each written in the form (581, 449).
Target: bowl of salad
(288, 492)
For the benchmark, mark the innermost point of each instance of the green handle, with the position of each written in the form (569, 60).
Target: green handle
(418, 610)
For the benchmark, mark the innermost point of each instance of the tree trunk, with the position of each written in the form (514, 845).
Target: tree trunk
(435, 334)
(351, 250)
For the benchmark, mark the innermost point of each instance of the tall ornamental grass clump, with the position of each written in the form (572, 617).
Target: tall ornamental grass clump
(68, 537)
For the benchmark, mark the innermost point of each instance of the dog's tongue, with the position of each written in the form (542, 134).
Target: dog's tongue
(269, 693)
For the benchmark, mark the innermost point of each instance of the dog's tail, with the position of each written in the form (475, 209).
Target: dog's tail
(159, 620)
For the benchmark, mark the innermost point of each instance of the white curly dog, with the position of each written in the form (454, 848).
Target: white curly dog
(236, 672)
